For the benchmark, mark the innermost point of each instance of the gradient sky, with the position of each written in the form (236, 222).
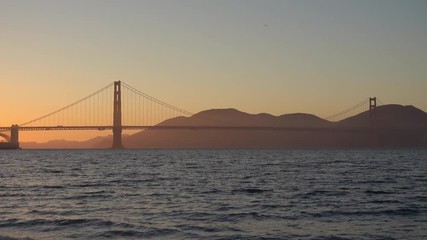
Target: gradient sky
(271, 56)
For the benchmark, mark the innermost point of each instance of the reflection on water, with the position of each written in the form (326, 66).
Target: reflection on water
(218, 194)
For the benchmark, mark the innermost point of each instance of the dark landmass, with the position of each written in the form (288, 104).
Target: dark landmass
(8, 145)
(97, 142)
(397, 126)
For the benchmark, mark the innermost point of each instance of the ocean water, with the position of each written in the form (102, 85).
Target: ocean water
(213, 194)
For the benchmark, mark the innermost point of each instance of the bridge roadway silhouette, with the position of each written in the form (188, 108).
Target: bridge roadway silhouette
(117, 127)
(260, 128)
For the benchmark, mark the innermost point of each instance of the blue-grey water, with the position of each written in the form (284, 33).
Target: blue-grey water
(213, 194)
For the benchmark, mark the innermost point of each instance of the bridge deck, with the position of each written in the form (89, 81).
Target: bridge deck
(259, 128)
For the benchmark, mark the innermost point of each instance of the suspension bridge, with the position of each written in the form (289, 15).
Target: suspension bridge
(135, 110)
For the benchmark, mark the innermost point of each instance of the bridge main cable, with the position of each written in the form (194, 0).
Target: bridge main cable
(156, 100)
(68, 106)
(348, 110)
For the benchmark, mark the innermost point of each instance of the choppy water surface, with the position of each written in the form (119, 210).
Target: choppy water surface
(219, 194)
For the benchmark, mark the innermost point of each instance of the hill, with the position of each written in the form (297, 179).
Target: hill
(233, 117)
(388, 116)
(225, 138)
(94, 143)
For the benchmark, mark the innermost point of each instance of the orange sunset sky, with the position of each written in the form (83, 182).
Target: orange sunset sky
(269, 56)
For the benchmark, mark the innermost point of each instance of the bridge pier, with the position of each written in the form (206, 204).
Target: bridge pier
(117, 117)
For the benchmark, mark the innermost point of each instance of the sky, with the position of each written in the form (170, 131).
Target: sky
(273, 56)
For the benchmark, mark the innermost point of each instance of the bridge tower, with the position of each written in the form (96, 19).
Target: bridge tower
(117, 117)
(14, 135)
(372, 106)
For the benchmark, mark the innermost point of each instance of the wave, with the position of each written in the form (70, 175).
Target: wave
(187, 227)
(384, 201)
(246, 237)
(90, 185)
(395, 212)
(53, 171)
(378, 192)
(62, 222)
(331, 237)
(53, 187)
(250, 190)
(138, 233)
(13, 238)
(237, 217)
(211, 191)
(314, 193)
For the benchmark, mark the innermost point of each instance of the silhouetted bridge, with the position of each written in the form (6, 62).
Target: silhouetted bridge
(135, 110)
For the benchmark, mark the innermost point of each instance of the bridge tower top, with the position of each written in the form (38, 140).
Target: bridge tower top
(372, 103)
(372, 106)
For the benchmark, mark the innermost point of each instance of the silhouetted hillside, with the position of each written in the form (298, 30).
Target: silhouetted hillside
(97, 142)
(225, 138)
(233, 117)
(388, 116)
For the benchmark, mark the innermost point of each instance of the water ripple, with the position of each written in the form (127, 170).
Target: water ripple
(213, 194)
